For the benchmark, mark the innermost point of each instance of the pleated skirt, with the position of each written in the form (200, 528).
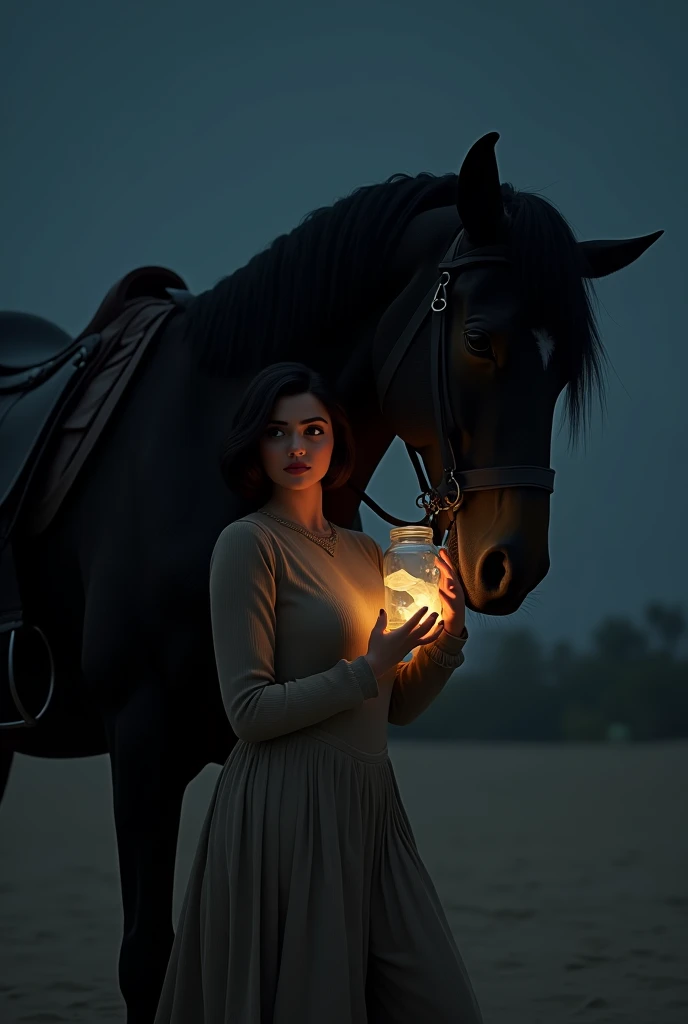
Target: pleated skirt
(308, 902)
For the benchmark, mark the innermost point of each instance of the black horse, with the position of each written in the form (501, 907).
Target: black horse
(119, 580)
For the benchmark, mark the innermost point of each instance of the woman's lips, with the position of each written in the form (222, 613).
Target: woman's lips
(296, 469)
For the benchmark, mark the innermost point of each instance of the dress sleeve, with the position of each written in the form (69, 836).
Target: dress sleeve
(418, 682)
(243, 589)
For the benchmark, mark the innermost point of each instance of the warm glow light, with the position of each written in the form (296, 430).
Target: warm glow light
(406, 595)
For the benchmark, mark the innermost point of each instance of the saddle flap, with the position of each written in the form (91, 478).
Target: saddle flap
(26, 417)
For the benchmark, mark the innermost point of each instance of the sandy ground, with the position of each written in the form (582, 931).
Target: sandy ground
(563, 870)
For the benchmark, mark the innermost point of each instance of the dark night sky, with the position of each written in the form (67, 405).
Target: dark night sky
(191, 134)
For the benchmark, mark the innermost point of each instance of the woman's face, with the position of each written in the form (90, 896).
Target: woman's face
(298, 435)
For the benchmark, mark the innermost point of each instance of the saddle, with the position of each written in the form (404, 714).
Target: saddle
(56, 394)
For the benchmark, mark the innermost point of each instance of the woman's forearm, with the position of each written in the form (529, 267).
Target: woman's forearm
(418, 682)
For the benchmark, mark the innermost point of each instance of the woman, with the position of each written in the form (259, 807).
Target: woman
(308, 902)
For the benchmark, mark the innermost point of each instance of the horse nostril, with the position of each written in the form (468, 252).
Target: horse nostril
(493, 570)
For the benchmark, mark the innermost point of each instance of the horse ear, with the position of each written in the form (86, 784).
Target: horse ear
(606, 256)
(479, 199)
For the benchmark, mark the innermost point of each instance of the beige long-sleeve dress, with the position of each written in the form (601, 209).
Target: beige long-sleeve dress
(308, 902)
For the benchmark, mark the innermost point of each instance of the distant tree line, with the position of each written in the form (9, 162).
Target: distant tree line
(629, 684)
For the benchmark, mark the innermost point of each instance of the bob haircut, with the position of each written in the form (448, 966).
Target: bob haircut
(240, 462)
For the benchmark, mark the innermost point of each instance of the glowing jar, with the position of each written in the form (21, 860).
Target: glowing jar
(411, 577)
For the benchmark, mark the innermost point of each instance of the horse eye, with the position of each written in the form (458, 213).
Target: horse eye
(478, 343)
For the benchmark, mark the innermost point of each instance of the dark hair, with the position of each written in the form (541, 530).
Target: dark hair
(240, 462)
(329, 275)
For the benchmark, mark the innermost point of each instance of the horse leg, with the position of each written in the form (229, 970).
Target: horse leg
(6, 757)
(151, 767)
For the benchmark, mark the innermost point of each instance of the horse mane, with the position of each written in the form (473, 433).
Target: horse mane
(309, 287)
(555, 297)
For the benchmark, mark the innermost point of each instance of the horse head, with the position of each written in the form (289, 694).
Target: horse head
(520, 330)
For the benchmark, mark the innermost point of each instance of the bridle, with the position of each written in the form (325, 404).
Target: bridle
(448, 495)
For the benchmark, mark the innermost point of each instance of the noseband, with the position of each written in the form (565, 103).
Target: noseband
(448, 495)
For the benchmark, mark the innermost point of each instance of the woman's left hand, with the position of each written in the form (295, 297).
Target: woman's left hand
(451, 592)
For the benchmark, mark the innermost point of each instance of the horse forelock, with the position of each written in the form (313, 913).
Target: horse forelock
(557, 301)
(545, 344)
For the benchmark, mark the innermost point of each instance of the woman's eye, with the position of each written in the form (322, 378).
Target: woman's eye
(478, 343)
(312, 430)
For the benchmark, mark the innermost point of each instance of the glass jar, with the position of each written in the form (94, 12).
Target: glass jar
(410, 575)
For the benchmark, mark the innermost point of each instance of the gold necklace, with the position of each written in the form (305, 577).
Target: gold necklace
(328, 543)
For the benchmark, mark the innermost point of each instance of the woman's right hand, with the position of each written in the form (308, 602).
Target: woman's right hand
(386, 648)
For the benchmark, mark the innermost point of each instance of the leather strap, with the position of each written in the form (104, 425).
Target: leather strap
(447, 494)
(472, 257)
(438, 375)
(403, 343)
(373, 505)
(491, 477)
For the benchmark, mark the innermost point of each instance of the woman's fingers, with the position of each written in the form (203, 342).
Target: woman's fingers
(445, 566)
(446, 561)
(450, 586)
(432, 637)
(422, 628)
(414, 619)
